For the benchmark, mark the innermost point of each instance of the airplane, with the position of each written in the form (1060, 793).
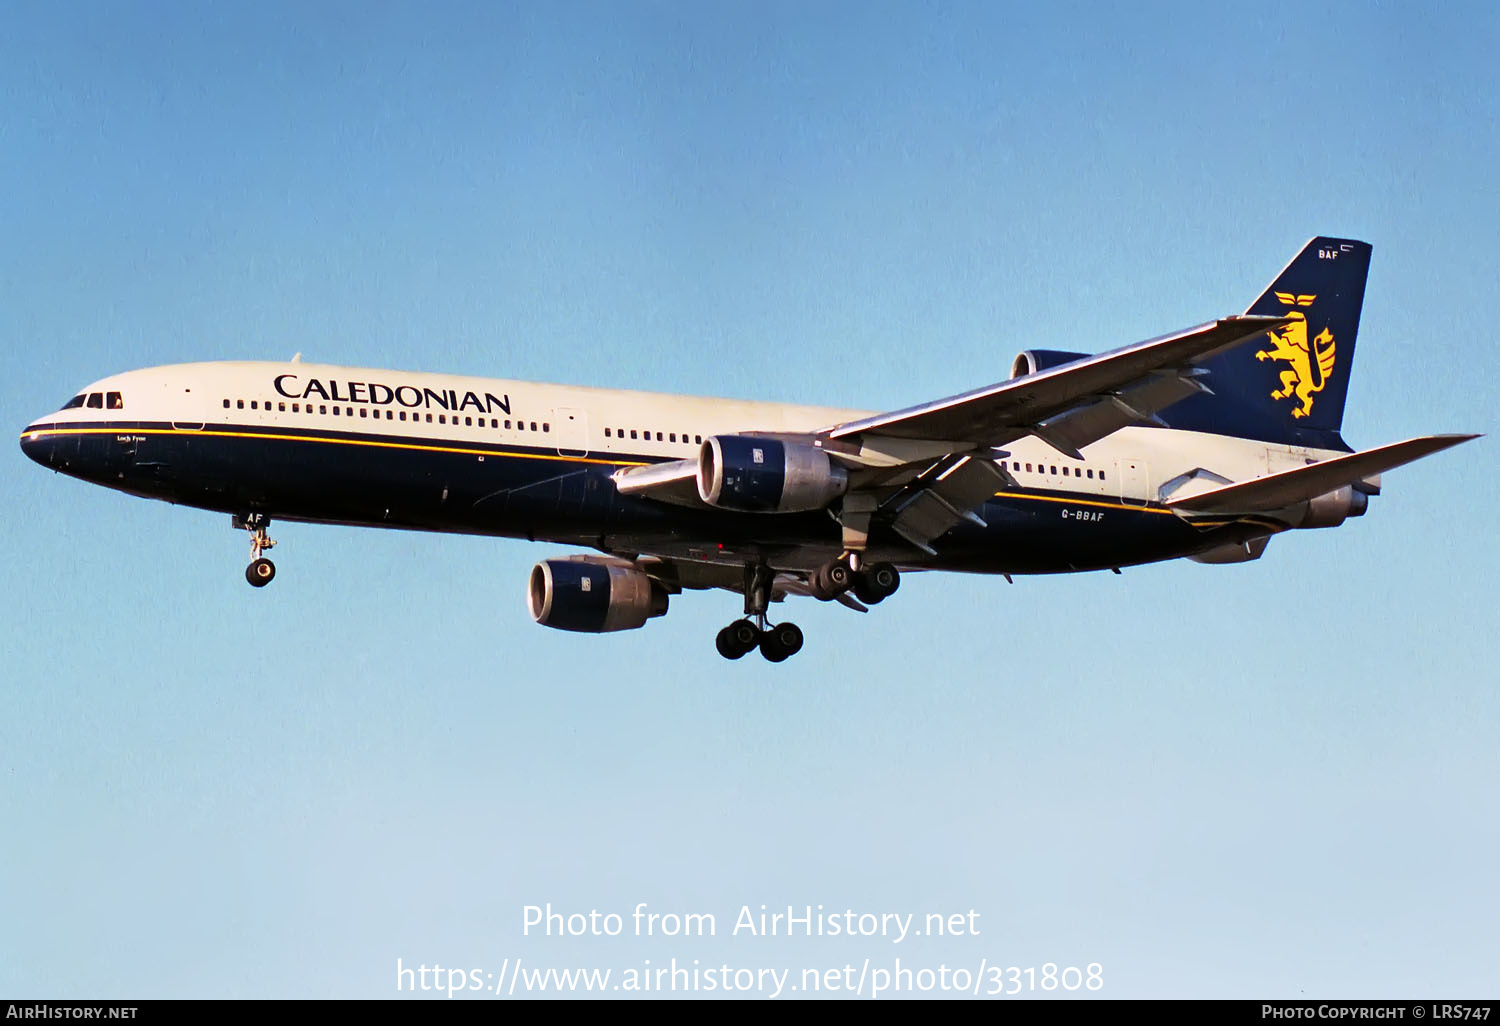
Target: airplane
(1202, 444)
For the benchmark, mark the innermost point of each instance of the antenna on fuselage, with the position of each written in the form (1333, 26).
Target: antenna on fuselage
(297, 358)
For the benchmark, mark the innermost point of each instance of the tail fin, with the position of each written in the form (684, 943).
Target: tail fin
(1289, 387)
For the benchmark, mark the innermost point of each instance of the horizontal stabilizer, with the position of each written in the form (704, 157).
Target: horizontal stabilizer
(1278, 491)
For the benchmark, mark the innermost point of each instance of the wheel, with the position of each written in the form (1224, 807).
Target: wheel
(817, 583)
(866, 591)
(883, 578)
(839, 576)
(781, 642)
(737, 639)
(260, 573)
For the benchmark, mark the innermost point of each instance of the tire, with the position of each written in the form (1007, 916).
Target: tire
(839, 576)
(260, 573)
(737, 639)
(883, 578)
(817, 583)
(865, 590)
(781, 642)
(726, 645)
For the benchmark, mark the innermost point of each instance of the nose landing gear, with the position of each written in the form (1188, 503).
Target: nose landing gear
(261, 571)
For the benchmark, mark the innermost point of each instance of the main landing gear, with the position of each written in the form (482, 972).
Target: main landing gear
(870, 584)
(261, 571)
(776, 643)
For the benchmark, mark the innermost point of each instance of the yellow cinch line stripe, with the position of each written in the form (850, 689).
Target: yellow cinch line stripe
(1084, 502)
(330, 441)
(493, 452)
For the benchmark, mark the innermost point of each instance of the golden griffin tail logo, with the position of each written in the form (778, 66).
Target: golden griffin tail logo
(1290, 344)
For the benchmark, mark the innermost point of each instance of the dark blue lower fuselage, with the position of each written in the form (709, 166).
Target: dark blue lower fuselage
(420, 483)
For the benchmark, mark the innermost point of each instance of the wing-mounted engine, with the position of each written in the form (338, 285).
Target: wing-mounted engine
(593, 595)
(766, 475)
(1033, 360)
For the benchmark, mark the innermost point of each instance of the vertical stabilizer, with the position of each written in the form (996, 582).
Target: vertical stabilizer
(1290, 386)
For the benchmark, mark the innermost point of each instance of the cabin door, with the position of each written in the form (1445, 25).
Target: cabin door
(572, 431)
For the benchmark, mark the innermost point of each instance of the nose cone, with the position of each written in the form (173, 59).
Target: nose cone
(37, 445)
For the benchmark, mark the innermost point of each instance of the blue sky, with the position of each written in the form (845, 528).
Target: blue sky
(1272, 779)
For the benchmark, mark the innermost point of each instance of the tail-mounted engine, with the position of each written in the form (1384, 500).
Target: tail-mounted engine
(764, 475)
(593, 595)
(1035, 360)
(1334, 508)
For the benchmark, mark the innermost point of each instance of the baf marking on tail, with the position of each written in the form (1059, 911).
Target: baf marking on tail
(1290, 344)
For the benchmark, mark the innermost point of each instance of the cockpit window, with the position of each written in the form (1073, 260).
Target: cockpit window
(96, 400)
(113, 401)
(75, 402)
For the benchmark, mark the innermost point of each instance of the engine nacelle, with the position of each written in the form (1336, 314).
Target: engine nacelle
(1033, 360)
(1232, 552)
(592, 596)
(1333, 508)
(763, 475)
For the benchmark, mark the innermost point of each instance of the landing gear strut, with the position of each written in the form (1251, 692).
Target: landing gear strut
(261, 571)
(870, 584)
(776, 643)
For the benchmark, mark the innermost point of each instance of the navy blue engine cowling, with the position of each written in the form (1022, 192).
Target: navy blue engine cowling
(1034, 360)
(592, 596)
(763, 475)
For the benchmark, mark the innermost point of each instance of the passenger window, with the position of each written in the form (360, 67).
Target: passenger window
(1054, 471)
(96, 400)
(253, 406)
(546, 427)
(672, 437)
(494, 422)
(335, 411)
(533, 425)
(322, 409)
(429, 418)
(113, 401)
(226, 404)
(442, 418)
(363, 412)
(468, 422)
(239, 404)
(349, 410)
(606, 432)
(389, 415)
(632, 432)
(1101, 475)
(281, 407)
(296, 407)
(1028, 468)
(658, 436)
(698, 439)
(507, 425)
(403, 415)
(75, 402)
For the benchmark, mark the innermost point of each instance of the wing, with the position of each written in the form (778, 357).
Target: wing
(924, 469)
(938, 454)
(1069, 406)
